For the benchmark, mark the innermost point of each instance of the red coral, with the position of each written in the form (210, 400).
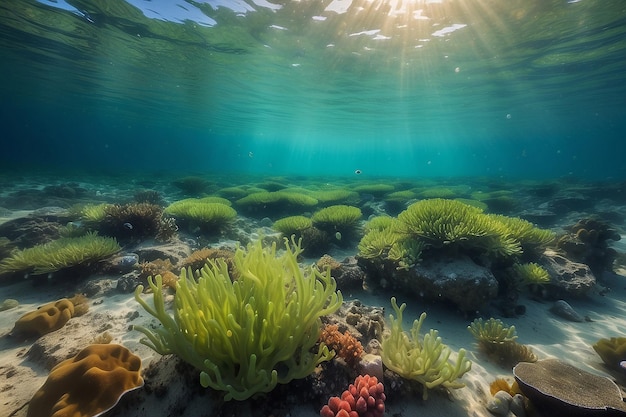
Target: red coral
(364, 398)
(345, 345)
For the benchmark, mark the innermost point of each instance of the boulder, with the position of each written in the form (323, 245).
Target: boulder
(567, 278)
(457, 280)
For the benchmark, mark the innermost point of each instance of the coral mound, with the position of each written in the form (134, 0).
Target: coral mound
(89, 384)
(47, 318)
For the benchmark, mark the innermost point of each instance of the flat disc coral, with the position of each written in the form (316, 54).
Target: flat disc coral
(89, 384)
(559, 389)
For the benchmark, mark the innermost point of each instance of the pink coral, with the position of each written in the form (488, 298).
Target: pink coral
(364, 398)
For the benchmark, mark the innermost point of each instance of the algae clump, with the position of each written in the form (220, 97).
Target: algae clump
(247, 334)
(59, 254)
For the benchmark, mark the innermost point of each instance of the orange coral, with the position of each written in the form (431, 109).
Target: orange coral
(89, 384)
(327, 261)
(199, 258)
(47, 318)
(345, 345)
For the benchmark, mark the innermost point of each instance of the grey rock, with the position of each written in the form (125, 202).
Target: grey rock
(562, 309)
(458, 280)
(567, 278)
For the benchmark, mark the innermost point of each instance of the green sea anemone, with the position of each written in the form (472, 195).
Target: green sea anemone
(292, 225)
(340, 218)
(60, 254)
(530, 274)
(197, 213)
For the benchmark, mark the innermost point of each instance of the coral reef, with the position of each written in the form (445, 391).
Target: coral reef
(427, 360)
(365, 398)
(59, 254)
(345, 345)
(89, 384)
(249, 334)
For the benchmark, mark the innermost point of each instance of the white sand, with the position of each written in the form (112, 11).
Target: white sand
(548, 335)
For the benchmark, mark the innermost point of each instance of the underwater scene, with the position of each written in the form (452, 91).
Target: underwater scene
(300, 208)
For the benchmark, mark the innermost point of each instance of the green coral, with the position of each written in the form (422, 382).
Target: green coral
(529, 236)
(94, 213)
(382, 240)
(335, 196)
(455, 225)
(492, 331)
(199, 212)
(249, 334)
(337, 218)
(426, 361)
(377, 190)
(530, 274)
(498, 342)
(276, 201)
(292, 225)
(59, 254)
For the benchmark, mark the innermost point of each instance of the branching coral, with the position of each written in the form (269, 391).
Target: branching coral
(249, 334)
(344, 345)
(492, 331)
(498, 343)
(59, 254)
(426, 361)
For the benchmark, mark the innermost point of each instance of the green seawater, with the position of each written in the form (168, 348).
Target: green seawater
(423, 88)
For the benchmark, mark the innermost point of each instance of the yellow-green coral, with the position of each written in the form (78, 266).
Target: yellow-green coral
(292, 224)
(492, 330)
(208, 215)
(276, 198)
(450, 223)
(339, 217)
(612, 351)
(338, 195)
(59, 254)
(530, 274)
(497, 342)
(94, 213)
(249, 334)
(426, 361)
